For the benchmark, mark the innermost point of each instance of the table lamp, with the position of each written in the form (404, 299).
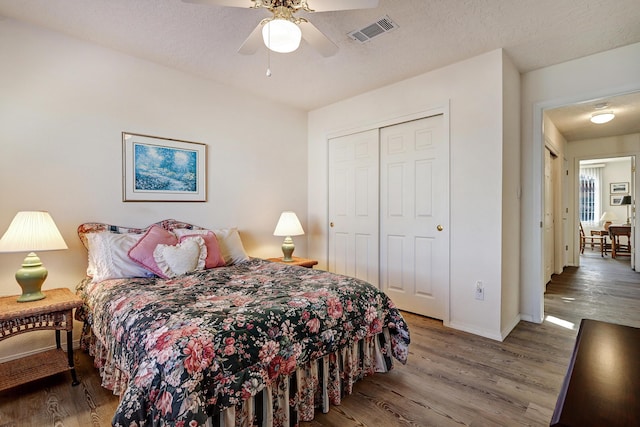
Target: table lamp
(607, 219)
(626, 200)
(29, 232)
(288, 225)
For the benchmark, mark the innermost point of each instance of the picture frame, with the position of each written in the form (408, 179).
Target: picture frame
(619, 187)
(156, 169)
(616, 199)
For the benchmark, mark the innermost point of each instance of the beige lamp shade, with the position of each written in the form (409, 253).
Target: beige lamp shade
(29, 232)
(32, 231)
(607, 219)
(288, 225)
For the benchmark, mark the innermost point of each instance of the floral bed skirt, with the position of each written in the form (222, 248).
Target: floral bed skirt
(289, 399)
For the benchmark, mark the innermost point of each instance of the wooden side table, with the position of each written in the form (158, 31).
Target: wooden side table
(302, 262)
(55, 312)
(617, 249)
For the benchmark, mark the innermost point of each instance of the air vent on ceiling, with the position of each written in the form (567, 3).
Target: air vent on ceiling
(381, 26)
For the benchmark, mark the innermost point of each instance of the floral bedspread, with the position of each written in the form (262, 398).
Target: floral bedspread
(208, 340)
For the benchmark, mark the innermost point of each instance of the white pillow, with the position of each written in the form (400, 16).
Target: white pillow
(229, 241)
(109, 256)
(182, 258)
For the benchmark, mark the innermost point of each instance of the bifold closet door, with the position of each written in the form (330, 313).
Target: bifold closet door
(414, 216)
(353, 205)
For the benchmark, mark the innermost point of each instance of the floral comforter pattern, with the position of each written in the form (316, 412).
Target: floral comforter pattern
(194, 345)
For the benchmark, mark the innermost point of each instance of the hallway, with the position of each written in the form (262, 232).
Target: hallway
(602, 288)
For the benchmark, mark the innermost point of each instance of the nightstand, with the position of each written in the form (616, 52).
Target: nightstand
(301, 262)
(55, 312)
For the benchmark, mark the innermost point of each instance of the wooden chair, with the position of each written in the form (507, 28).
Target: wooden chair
(593, 241)
(620, 247)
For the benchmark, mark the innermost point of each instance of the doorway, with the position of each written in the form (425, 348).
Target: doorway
(602, 142)
(602, 184)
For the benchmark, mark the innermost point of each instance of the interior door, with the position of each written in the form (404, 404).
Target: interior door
(414, 216)
(353, 205)
(549, 232)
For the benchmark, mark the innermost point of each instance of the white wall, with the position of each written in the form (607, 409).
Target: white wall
(608, 73)
(511, 190)
(473, 91)
(63, 106)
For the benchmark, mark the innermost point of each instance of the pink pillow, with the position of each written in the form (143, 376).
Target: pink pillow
(142, 252)
(214, 256)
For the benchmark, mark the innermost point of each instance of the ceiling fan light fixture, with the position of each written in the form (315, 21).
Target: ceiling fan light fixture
(281, 35)
(601, 118)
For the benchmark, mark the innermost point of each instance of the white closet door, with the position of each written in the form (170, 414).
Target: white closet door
(353, 205)
(414, 216)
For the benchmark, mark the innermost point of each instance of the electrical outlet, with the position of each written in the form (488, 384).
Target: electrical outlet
(479, 291)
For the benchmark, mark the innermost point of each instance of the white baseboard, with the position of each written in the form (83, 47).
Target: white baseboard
(510, 326)
(494, 335)
(76, 345)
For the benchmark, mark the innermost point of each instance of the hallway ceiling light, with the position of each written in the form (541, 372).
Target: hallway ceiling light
(600, 118)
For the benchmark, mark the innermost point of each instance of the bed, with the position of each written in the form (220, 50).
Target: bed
(246, 342)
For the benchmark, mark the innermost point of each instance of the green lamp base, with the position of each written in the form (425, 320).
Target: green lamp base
(287, 249)
(31, 296)
(30, 278)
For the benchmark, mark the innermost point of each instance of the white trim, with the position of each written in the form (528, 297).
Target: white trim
(394, 120)
(510, 326)
(472, 329)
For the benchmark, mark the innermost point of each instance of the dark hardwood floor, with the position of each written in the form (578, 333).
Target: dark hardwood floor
(452, 378)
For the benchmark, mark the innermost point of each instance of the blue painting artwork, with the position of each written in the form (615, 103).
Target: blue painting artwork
(158, 168)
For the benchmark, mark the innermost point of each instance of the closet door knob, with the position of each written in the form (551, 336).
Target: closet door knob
(440, 227)
(331, 224)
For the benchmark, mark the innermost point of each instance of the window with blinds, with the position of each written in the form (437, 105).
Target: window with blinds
(590, 195)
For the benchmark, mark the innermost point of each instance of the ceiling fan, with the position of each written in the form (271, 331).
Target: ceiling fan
(283, 31)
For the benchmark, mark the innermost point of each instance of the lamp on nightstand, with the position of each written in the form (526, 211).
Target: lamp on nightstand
(29, 232)
(288, 225)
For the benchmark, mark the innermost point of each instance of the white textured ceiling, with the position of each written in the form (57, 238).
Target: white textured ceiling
(203, 39)
(574, 124)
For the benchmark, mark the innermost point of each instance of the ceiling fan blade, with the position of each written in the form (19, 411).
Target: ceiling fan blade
(228, 3)
(329, 5)
(253, 42)
(317, 40)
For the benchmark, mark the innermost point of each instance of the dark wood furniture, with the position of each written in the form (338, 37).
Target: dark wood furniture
(602, 384)
(619, 247)
(592, 240)
(302, 262)
(605, 245)
(54, 312)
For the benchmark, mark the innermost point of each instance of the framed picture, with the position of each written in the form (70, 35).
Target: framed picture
(619, 187)
(616, 200)
(162, 170)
